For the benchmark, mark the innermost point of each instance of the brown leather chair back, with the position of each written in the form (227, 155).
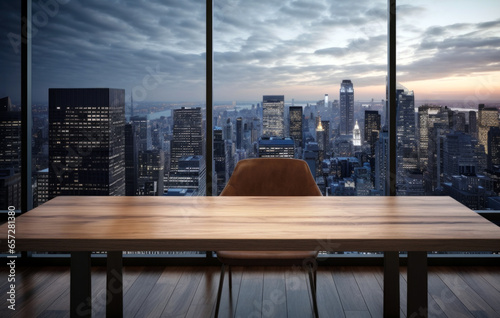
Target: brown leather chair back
(271, 177)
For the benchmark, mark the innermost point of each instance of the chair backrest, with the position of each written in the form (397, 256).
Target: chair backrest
(271, 177)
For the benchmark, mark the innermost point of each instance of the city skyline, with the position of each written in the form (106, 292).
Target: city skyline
(294, 48)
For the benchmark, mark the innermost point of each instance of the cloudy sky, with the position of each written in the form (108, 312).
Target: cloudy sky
(303, 49)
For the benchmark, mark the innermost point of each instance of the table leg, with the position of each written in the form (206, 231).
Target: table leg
(417, 285)
(114, 284)
(80, 285)
(391, 284)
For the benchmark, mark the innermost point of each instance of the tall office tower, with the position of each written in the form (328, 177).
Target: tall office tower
(228, 130)
(131, 157)
(187, 136)
(381, 168)
(280, 147)
(295, 126)
(459, 156)
(488, 117)
(10, 136)
(459, 121)
(356, 135)
(10, 188)
(239, 133)
(320, 139)
(407, 156)
(326, 135)
(42, 185)
(229, 158)
(494, 148)
(473, 124)
(151, 164)
(273, 116)
(86, 141)
(433, 173)
(190, 174)
(346, 107)
(427, 116)
(372, 128)
(219, 159)
(143, 132)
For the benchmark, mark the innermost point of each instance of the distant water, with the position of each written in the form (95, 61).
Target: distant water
(157, 115)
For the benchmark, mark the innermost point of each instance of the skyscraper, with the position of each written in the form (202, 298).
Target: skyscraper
(187, 135)
(86, 141)
(131, 157)
(151, 164)
(407, 157)
(494, 148)
(488, 117)
(427, 116)
(356, 135)
(273, 116)
(228, 130)
(276, 147)
(295, 125)
(10, 136)
(372, 128)
(239, 132)
(346, 107)
(219, 159)
(473, 124)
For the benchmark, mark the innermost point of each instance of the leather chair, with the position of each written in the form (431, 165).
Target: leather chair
(270, 177)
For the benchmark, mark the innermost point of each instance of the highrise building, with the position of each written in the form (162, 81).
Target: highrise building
(459, 156)
(86, 141)
(142, 128)
(488, 117)
(276, 147)
(151, 165)
(494, 148)
(10, 136)
(273, 116)
(356, 135)
(219, 159)
(372, 128)
(190, 174)
(326, 135)
(427, 116)
(239, 133)
(473, 124)
(42, 187)
(346, 107)
(295, 125)
(381, 163)
(228, 130)
(187, 136)
(459, 121)
(407, 157)
(131, 157)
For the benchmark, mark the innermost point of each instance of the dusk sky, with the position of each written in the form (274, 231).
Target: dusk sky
(447, 49)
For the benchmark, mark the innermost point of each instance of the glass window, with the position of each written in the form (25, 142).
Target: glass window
(448, 101)
(302, 80)
(10, 106)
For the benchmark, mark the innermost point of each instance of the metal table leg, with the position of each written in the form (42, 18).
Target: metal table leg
(417, 284)
(391, 284)
(80, 285)
(114, 284)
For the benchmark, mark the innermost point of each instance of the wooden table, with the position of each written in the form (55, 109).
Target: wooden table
(389, 224)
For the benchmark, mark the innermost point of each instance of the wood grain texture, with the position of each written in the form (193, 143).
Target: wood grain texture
(253, 223)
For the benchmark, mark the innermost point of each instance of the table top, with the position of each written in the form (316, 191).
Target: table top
(97, 223)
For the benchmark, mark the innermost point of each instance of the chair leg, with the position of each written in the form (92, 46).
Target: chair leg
(219, 292)
(230, 277)
(312, 281)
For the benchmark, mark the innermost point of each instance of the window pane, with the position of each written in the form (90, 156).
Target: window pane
(10, 106)
(119, 98)
(448, 100)
(303, 80)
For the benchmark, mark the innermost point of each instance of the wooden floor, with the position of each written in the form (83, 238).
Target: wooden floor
(257, 292)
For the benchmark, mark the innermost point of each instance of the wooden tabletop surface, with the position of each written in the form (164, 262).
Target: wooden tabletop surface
(253, 223)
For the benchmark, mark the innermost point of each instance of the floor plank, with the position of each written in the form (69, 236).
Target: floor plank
(349, 292)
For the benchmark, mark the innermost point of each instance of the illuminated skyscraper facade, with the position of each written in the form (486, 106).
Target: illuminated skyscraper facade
(346, 107)
(488, 117)
(295, 125)
(273, 116)
(86, 141)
